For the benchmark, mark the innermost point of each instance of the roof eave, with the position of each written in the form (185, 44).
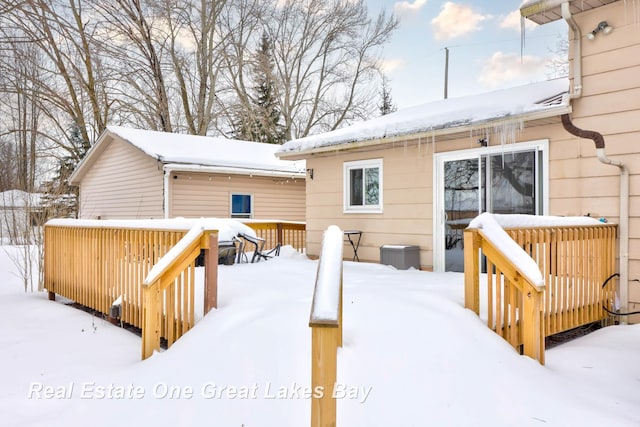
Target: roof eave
(94, 152)
(544, 11)
(181, 167)
(352, 145)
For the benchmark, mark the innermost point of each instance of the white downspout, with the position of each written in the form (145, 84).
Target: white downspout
(602, 157)
(624, 230)
(577, 51)
(165, 191)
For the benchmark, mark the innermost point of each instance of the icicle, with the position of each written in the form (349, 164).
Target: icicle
(507, 131)
(522, 26)
(433, 141)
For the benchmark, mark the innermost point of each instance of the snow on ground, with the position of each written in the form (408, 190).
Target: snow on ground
(412, 356)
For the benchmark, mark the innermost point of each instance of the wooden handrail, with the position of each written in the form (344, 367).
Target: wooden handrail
(574, 261)
(102, 265)
(532, 334)
(164, 273)
(280, 232)
(325, 321)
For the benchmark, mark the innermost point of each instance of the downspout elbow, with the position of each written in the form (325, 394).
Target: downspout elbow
(602, 157)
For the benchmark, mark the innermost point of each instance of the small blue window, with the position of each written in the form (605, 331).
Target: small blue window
(241, 206)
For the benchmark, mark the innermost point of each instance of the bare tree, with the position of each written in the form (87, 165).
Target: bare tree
(70, 87)
(21, 114)
(326, 55)
(135, 48)
(559, 63)
(325, 59)
(8, 160)
(241, 22)
(194, 46)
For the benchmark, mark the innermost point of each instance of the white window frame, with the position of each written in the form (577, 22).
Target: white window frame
(542, 185)
(240, 215)
(346, 189)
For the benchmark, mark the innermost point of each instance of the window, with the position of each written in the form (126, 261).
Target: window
(504, 179)
(241, 206)
(363, 186)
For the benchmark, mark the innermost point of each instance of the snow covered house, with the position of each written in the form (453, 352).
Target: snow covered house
(416, 177)
(132, 173)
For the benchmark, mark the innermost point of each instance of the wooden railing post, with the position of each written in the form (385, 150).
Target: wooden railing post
(340, 315)
(279, 238)
(324, 367)
(326, 329)
(210, 245)
(532, 333)
(472, 270)
(151, 320)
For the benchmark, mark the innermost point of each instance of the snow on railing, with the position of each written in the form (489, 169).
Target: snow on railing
(326, 327)
(158, 291)
(544, 274)
(98, 263)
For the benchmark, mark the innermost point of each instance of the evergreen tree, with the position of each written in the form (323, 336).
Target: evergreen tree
(387, 105)
(61, 199)
(261, 120)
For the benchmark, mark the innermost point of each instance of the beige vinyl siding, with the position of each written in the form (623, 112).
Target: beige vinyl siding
(123, 183)
(611, 105)
(578, 185)
(407, 198)
(195, 194)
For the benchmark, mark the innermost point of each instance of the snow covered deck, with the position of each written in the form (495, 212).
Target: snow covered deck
(100, 264)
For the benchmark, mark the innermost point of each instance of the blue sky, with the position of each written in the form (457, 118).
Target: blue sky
(484, 41)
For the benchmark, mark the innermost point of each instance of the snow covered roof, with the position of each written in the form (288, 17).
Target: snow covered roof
(203, 153)
(529, 102)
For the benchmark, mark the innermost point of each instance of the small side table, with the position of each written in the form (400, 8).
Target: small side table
(353, 237)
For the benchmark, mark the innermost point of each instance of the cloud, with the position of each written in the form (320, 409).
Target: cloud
(406, 9)
(388, 66)
(456, 20)
(512, 21)
(505, 67)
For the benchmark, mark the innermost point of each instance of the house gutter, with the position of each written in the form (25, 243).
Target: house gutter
(598, 139)
(175, 167)
(531, 8)
(426, 134)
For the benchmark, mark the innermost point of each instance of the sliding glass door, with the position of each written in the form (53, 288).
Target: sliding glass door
(507, 181)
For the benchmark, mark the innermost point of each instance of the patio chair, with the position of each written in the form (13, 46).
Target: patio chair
(257, 244)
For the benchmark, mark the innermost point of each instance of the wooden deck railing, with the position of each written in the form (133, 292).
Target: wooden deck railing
(326, 329)
(282, 232)
(168, 306)
(95, 265)
(574, 262)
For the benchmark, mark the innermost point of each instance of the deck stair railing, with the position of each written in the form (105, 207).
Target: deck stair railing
(164, 298)
(326, 328)
(574, 262)
(98, 264)
(101, 263)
